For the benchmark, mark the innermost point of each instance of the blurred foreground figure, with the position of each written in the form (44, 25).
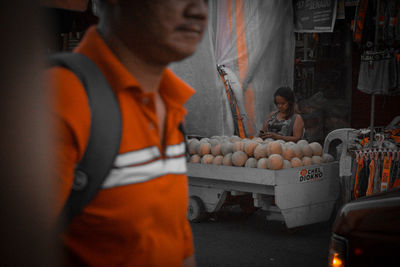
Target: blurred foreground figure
(138, 218)
(26, 239)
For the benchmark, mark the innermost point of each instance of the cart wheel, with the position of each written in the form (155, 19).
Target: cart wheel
(196, 210)
(246, 204)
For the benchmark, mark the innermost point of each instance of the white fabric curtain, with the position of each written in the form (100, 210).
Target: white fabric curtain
(254, 40)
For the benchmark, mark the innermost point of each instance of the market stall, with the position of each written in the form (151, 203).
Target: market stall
(294, 182)
(324, 70)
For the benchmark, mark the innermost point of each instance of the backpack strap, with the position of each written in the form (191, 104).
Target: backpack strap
(105, 134)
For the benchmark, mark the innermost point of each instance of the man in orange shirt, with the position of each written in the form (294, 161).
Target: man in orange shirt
(138, 218)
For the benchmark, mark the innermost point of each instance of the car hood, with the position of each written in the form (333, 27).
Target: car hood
(379, 213)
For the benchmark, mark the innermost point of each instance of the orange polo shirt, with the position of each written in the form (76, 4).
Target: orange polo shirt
(138, 218)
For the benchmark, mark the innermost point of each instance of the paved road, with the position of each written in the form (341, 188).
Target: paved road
(235, 240)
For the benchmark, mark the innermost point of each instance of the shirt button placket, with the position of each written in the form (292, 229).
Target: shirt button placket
(150, 113)
(145, 100)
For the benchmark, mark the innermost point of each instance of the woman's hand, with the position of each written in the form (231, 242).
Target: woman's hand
(273, 135)
(262, 134)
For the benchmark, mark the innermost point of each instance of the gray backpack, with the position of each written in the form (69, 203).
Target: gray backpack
(105, 133)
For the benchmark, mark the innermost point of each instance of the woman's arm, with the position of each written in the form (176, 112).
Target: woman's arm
(298, 129)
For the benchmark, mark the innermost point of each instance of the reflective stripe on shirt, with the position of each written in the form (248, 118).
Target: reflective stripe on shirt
(146, 164)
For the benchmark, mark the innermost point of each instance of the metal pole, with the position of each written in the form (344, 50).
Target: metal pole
(378, 6)
(371, 136)
(307, 89)
(305, 40)
(372, 118)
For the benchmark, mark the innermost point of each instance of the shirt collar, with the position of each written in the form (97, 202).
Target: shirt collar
(174, 90)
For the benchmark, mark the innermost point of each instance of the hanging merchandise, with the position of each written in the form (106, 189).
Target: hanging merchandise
(389, 22)
(376, 164)
(360, 164)
(374, 29)
(371, 177)
(396, 175)
(377, 72)
(397, 25)
(387, 163)
(358, 25)
(396, 90)
(378, 171)
(395, 134)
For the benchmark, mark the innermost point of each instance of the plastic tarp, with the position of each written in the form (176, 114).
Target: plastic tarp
(254, 41)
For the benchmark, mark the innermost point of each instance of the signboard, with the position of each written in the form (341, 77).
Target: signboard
(314, 15)
(311, 175)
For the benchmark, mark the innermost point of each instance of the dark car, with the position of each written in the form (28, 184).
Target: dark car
(367, 232)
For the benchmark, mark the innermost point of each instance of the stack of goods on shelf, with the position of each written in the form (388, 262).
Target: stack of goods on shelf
(256, 152)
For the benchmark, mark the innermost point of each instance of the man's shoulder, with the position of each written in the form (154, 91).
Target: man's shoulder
(67, 95)
(63, 83)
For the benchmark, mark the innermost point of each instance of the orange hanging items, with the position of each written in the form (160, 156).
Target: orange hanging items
(394, 134)
(360, 163)
(386, 173)
(359, 22)
(364, 141)
(370, 188)
(396, 180)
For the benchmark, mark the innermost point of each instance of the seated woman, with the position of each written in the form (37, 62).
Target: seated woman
(284, 124)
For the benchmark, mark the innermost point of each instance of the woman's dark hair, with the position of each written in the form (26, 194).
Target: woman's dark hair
(288, 95)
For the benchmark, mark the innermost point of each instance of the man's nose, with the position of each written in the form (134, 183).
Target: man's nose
(197, 9)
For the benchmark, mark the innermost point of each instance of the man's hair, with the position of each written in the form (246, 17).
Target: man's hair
(288, 94)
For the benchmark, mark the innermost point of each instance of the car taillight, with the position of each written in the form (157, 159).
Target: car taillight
(337, 251)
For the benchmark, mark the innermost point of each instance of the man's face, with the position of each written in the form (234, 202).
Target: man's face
(162, 30)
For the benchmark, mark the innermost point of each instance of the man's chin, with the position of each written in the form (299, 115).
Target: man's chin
(180, 53)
